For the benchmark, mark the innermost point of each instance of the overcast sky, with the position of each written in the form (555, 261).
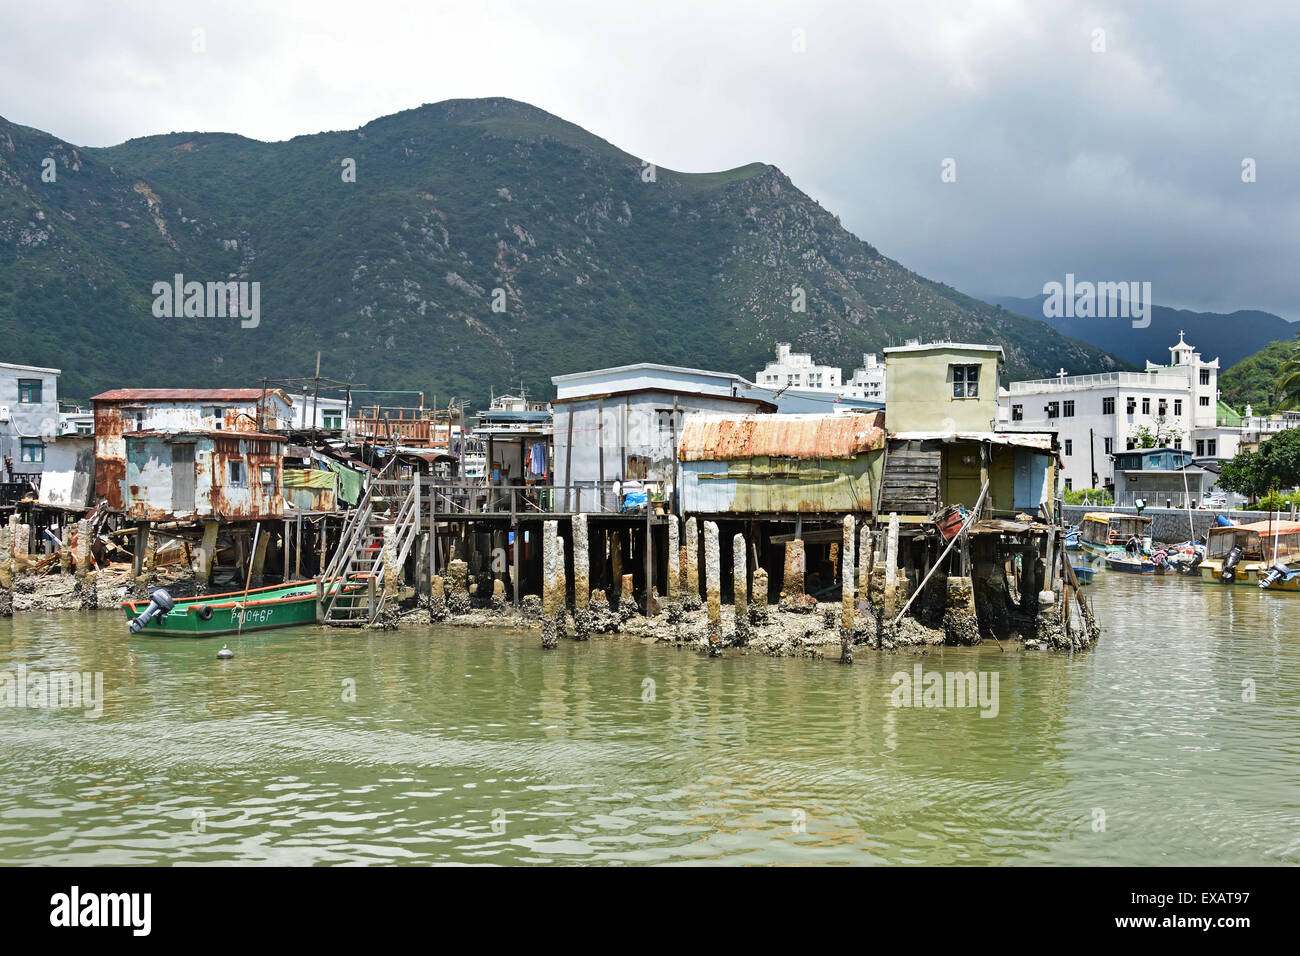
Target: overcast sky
(1124, 164)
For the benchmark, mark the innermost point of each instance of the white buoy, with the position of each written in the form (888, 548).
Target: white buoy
(225, 653)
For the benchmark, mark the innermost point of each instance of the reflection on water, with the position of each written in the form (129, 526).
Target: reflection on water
(476, 747)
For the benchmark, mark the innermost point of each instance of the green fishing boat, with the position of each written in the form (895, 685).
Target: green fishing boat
(281, 605)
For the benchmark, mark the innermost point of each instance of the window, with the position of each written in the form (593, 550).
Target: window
(1069, 409)
(1146, 406)
(1108, 406)
(1178, 407)
(1200, 448)
(139, 421)
(1212, 447)
(1132, 443)
(29, 391)
(1069, 446)
(33, 451)
(1163, 409)
(268, 476)
(965, 381)
(1205, 376)
(237, 473)
(1069, 484)
(1053, 409)
(1110, 445)
(332, 418)
(1017, 413)
(1205, 401)
(1132, 404)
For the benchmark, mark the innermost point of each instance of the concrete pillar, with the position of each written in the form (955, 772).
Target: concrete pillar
(713, 586)
(581, 579)
(866, 551)
(792, 582)
(87, 595)
(549, 574)
(847, 581)
(891, 568)
(740, 587)
(561, 592)
(691, 599)
(758, 608)
(437, 599)
(65, 548)
(6, 573)
(674, 563)
(458, 587)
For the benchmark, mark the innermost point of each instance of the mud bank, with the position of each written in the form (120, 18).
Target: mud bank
(814, 631)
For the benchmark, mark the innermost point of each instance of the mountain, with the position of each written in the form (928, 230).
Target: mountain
(590, 258)
(1231, 337)
(1254, 379)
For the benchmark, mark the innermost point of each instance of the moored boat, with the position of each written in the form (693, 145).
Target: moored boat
(1105, 533)
(1134, 564)
(1244, 554)
(280, 605)
(1281, 578)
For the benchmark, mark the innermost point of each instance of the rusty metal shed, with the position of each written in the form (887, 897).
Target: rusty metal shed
(191, 475)
(781, 464)
(132, 411)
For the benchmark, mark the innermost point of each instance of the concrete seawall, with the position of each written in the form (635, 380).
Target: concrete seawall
(1169, 525)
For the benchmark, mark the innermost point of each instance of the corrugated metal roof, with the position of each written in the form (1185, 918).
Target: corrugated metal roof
(1277, 527)
(711, 438)
(206, 433)
(1039, 441)
(184, 395)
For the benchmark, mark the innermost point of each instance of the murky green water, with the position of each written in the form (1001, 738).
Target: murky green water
(476, 747)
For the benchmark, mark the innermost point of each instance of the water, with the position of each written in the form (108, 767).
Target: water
(477, 747)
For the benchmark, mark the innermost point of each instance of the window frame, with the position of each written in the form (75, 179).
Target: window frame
(29, 387)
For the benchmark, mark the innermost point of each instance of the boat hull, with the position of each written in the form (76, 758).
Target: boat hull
(264, 608)
(1130, 566)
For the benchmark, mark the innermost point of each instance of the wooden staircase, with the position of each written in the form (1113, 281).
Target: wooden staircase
(389, 509)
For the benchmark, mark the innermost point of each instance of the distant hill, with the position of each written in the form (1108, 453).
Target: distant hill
(1231, 337)
(1253, 379)
(394, 277)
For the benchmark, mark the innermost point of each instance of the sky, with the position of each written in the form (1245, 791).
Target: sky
(995, 146)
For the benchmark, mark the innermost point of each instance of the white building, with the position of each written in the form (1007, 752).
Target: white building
(797, 370)
(868, 381)
(324, 412)
(29, 418)
(1096, 416)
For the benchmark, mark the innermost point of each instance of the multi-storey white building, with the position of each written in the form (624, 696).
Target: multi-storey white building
(797, 370)
(869, 380)
(1096, 416)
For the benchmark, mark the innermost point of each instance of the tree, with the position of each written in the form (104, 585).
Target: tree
(1288, 377)
(1164, 435)
(1244, 475)
(1275, 466)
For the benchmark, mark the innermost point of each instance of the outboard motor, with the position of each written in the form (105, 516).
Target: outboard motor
(160, 602)
(1278, 570)
(1229, 563)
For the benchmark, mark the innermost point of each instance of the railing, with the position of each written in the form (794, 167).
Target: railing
(481, 498)
(351, 540)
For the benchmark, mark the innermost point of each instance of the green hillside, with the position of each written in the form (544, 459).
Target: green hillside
(1253, 380)
(392, 276)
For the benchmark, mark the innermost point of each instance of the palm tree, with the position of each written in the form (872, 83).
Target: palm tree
(1288, 378)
